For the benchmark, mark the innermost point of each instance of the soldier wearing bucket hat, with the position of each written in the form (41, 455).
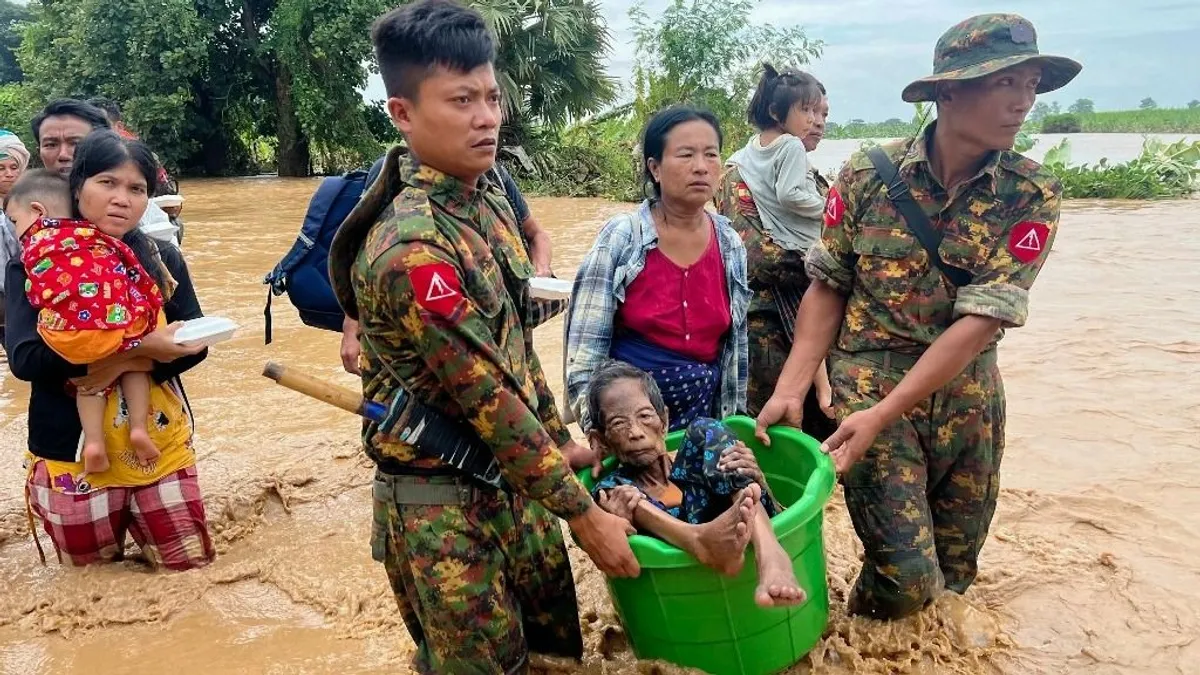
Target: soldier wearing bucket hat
(929, 249)
(985, 44)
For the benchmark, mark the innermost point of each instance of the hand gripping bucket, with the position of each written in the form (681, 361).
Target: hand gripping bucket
(679, 611)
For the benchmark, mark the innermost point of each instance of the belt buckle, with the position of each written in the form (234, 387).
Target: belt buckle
(466, 492)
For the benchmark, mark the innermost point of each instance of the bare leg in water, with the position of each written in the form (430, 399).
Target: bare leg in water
(720, 543)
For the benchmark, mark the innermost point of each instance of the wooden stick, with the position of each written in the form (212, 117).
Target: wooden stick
(330, 393)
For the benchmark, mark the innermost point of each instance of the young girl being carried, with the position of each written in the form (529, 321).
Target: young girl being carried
(785, 199)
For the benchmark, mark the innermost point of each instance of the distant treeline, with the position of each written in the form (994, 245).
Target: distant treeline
(1144, 121)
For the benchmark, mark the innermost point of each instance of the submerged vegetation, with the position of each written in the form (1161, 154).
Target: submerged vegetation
(1149, 121)
(1162, 171)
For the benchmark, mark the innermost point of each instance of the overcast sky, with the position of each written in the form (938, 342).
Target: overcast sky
(1130, 49)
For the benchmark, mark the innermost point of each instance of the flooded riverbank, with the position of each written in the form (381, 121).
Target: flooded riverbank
(1093, 565)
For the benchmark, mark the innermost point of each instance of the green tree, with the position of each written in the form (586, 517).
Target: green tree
(1083, 106)
(1041, 110)
(550, 61)
(1147, 104)
(708, 52)
(316, 50)
(1193, 104)
(18, 104)
(204, 81)
(143, 53)
(220, 86)
(11, 16)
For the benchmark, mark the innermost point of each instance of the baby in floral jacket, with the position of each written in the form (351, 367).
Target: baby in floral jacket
(94, 300)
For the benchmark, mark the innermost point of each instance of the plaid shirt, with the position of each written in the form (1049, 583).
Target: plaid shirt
(615, 260)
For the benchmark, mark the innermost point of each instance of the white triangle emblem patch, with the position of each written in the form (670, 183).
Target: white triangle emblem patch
(438, 289)
(1030, 242)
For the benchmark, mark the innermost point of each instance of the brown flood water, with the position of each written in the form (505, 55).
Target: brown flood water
(1093, 565)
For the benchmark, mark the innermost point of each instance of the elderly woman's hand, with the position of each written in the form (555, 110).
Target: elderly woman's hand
(161, 346)
(621, 501)
(739, 458)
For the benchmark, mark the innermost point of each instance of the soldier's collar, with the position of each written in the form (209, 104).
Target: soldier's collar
(441, 186)
(917, 158)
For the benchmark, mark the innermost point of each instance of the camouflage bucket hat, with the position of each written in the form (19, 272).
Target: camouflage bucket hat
(985, 44)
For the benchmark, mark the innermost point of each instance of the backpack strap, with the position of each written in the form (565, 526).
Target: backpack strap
(918, 223)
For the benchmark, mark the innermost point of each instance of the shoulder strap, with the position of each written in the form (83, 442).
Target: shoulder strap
(918, 223)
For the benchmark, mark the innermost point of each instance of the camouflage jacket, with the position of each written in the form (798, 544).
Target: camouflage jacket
(435, 272)
(767, 264)
(999, 226)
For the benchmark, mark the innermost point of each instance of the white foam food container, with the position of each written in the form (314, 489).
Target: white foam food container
(161, 230)
(168, 201)
(207, 330)
(549, 288)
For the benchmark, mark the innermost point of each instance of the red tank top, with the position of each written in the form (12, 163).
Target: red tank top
(683, 309)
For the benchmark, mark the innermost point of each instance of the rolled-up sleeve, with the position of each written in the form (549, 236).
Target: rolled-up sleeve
(831, 260)
(1000, 287)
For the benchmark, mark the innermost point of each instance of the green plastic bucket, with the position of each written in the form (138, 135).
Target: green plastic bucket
(679, 611)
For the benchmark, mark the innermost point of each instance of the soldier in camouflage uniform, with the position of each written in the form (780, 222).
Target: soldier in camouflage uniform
(777, 282)
(431, 265)
(915, 380)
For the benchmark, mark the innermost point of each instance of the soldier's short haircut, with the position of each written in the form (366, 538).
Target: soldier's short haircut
(611, 371)
(777, 92)
(413, 39)
(40, 185)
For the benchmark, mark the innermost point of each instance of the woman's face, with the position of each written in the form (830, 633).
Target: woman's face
(10, 171)
(115, 200)
(691, 164)
(817, 132)
(800, 119)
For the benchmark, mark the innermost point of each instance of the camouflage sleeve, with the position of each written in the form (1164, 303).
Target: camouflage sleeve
(450, 335)
(832, 258)
(1000, 288)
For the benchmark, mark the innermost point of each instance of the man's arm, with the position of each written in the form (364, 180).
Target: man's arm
(540, 247)
(350, 348)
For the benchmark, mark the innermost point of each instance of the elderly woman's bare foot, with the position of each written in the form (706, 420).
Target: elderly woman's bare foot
(777, 585)
(721, 543)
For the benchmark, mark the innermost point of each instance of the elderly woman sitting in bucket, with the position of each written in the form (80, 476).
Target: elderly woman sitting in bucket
(710, 500)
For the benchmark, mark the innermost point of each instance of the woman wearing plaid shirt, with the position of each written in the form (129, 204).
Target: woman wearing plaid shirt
(664, 288)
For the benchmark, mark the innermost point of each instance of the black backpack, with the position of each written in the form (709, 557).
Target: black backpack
(303, 273)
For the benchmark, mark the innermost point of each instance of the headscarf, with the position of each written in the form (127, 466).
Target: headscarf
(11, 147)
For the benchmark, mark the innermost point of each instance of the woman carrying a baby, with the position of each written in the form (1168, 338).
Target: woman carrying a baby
(110, 429)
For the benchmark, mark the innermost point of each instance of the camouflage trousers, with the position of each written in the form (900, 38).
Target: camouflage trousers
(479, 583)
(769, 346)
(923, 497)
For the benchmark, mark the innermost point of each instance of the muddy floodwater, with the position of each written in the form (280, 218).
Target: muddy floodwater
(1092, 566)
